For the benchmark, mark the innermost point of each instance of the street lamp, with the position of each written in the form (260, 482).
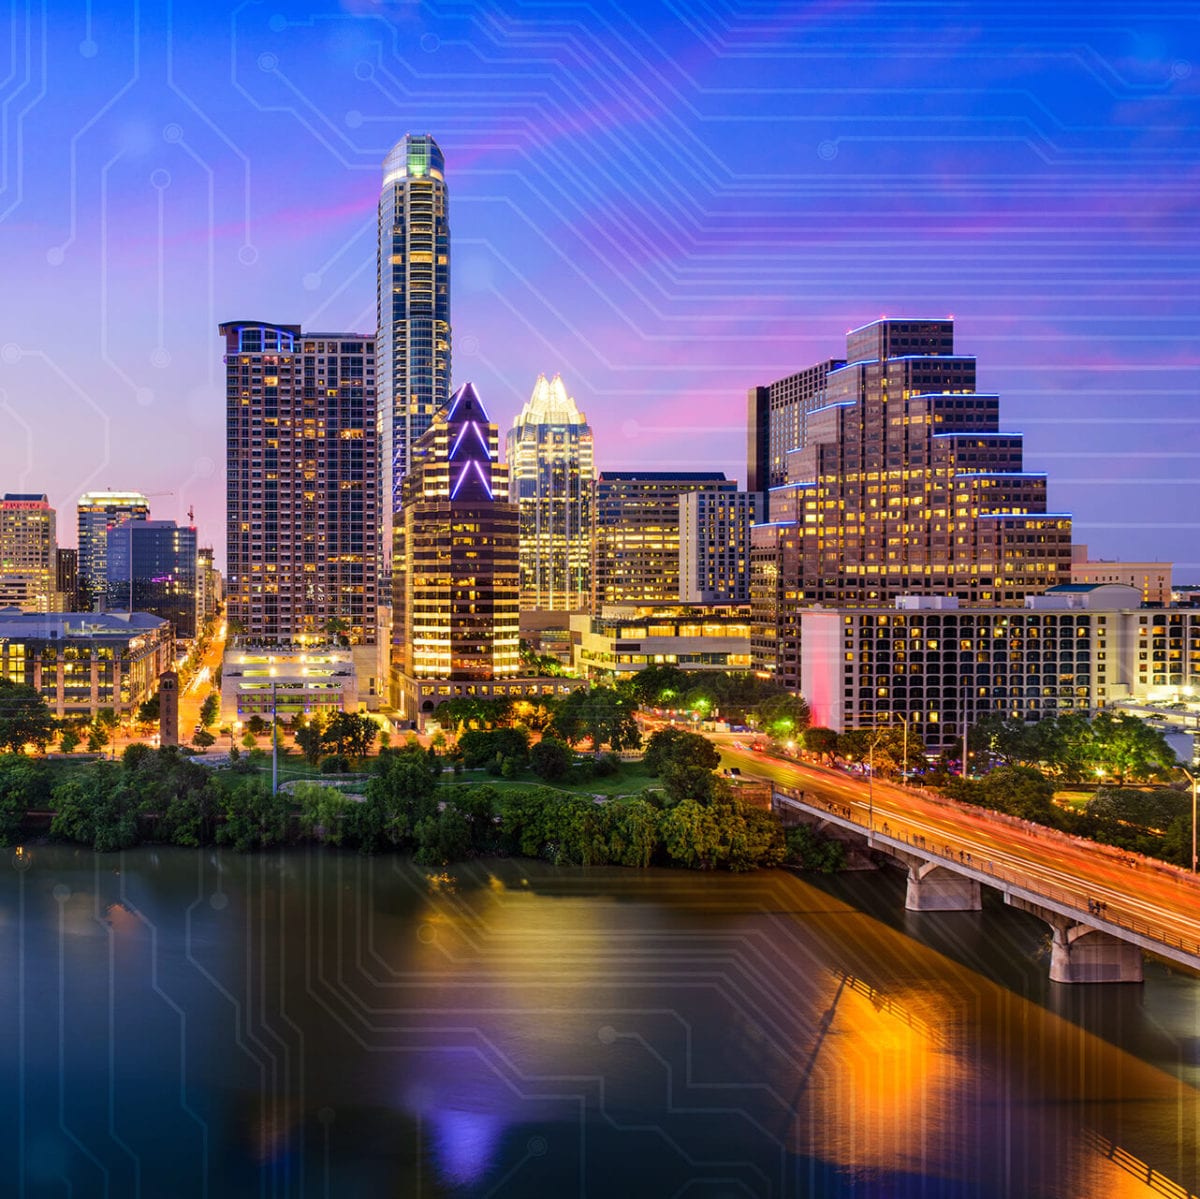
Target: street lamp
(1192, 779)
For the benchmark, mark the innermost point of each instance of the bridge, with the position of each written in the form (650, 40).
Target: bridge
(1105, 907)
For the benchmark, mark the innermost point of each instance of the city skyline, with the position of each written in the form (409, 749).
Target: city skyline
(1039, 191)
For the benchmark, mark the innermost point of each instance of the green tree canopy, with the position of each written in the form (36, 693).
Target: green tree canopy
(210, 709)
(24, 718)
(605, 715)
(819, 740)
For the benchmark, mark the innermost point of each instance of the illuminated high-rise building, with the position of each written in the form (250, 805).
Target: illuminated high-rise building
(456, 591)
(152, 568)
(413, 311)
(905, 484)
(550, 474)
(27, 545)
(635, 533)
(302, 488)
(66, 580)
(99, 511)
(714, 545)
(777, 423)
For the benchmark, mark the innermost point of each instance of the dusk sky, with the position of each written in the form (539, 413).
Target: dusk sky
(665, 203)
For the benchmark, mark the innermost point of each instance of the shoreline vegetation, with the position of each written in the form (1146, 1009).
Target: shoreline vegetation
(405, 802)
(491, 787)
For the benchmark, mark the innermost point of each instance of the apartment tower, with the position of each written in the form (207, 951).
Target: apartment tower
(302, 487)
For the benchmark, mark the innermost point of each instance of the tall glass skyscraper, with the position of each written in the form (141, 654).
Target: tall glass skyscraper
(550, 473)
(99, 511)
(413, 310)
(151, 568)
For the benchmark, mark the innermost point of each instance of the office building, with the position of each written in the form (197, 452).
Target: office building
(906, 484)
(635, 533)
(413, 312)
(151, 567)
(302, 488)
(1152, 579)
(714, 546)
(1076, 649)
(628, 638)
(66, 580)
(550, 471)
(457, 598)
(27, 546)
(81, 662)
(291, 681)
(97, 512)
(777, 423)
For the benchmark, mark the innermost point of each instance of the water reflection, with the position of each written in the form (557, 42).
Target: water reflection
(204, 1024)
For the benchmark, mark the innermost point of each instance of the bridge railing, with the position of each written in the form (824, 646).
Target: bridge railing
(965, 859)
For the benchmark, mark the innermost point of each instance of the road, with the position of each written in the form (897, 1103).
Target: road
(202, 683)
(1155, 900)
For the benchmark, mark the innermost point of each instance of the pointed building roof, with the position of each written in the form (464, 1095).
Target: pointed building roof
(464, 405)
(550, 405)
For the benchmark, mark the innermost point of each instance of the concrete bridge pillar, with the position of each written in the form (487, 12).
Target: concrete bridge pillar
(1080, 953)
(933, 888)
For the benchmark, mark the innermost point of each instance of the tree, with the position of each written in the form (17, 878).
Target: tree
(690, 780)
(634, 837)
(784, 715)
(24, 718)
(1127, 747)
(813, 850)
(95, 807)
(821, 741)
(256, 725)
(322, 811)
(601, 713)
(442, 837)
(351, 733)
(854, 745)
(678, 745)
(210, 709)
(203, 739)
(1020, 791)
(550, 759)
(148, 711)
(309, 737)
(69, 740)
(480, 747)
(691, 835)
(658, 686)
(24, 786)
(248, 740)
(254, 818)
(1150, 811)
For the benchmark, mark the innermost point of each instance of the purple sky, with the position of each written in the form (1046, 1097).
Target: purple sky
(664, 205)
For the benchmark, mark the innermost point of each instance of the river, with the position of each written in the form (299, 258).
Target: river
(313, 1023)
